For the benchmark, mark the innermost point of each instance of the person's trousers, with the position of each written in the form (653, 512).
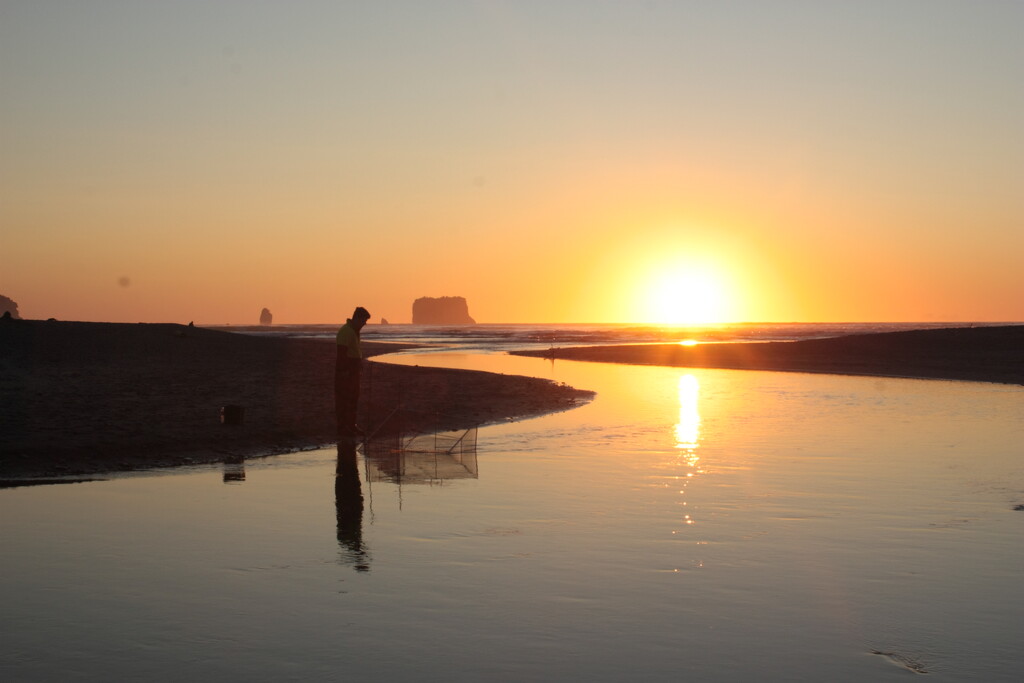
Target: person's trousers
(346, 399)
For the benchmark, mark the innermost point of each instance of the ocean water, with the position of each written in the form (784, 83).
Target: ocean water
(711, 525)
(498, 337)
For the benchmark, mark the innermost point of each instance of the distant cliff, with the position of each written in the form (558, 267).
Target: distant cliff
(445, 310)
(266, 317)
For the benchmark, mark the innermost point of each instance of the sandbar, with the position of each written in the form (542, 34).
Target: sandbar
(84, 398)
(977, 354)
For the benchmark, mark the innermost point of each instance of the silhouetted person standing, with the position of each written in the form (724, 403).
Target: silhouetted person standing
(346, 373)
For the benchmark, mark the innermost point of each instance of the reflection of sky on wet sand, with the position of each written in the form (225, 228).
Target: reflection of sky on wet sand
(716, 525)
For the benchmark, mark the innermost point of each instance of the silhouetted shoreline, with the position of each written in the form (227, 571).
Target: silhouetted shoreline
(85, 398)
(978, 354)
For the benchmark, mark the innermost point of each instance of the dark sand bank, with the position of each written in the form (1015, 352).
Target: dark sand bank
(981, 354)
(82, 398)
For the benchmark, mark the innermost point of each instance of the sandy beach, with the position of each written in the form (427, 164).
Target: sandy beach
(85, 398)
(979, 354)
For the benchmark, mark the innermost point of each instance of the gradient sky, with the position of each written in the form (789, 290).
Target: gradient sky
(555, 161)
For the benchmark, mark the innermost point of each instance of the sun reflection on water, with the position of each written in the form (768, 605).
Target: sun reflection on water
(688, 427)
(687, 433)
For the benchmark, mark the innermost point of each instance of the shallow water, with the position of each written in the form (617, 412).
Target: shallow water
(707, 524)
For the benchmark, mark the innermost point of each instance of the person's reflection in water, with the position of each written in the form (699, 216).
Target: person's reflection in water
(348, 500)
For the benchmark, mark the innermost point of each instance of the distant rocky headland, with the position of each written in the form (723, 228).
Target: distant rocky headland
(445, 310)
(9, 307)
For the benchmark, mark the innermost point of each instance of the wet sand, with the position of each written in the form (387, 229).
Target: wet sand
(86, 398)
(979, 354)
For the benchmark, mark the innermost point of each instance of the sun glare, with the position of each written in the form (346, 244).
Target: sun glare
(687, 296)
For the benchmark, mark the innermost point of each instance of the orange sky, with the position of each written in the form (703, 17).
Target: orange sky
(581, 162)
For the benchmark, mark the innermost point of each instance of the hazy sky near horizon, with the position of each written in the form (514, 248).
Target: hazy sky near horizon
(556, 161)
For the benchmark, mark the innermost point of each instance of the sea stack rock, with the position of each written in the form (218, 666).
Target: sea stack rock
(8, 306)
(266, 318)
(445, 310)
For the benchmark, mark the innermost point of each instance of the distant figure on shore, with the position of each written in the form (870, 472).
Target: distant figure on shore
(346, 373)
(266, 317)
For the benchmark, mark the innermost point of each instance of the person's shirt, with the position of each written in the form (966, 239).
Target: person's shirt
(348, 343)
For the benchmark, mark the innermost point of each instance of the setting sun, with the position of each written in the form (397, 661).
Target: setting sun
(687, 295)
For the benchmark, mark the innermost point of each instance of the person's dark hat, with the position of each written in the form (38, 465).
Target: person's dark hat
(360, 314)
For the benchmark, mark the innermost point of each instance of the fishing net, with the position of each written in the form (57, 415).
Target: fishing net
(413, 456)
